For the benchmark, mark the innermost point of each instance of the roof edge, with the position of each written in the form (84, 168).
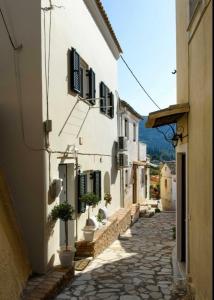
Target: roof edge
(131, 109)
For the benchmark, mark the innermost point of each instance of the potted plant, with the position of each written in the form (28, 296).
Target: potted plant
(100, 218)
(90, 199)
(107, 199)
(64, 212)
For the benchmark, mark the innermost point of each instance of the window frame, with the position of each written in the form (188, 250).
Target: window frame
(126, 128)
(106, 102)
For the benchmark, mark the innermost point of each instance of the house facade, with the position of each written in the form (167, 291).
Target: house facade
(134, 172)
(58, 92)
(193, 141)
(168, 186)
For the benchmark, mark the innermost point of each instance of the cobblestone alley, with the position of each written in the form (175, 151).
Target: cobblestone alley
(138, 266)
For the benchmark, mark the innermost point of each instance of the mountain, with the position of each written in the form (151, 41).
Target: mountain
(157, 147)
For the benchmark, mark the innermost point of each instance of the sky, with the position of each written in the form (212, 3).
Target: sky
(145, 30)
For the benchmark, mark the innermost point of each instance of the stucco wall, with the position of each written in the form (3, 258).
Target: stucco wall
(15, 266)
(194, 58)
(73, 26)
(200, 156)
(21, 125)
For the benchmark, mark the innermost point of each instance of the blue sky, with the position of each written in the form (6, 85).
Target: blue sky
(146, 32)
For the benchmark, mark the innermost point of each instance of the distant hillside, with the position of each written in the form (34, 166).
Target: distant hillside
(157, 147)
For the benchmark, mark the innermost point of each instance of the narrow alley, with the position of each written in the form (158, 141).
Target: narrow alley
(138, 266)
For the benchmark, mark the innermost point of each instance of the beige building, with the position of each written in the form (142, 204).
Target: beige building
(168, 186)
(194, 143)
(58, 118)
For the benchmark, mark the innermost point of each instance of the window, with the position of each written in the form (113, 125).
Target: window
(106, 101)
(97, 183)
(75, 80)
(126, 129)
(82, 190)
(91, 86)
(142, 177)
(165, 183)
(81, 82)
(126, 178)
(82, 79)
(134, 132)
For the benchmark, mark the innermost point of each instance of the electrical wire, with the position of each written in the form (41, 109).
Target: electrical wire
(139, 82)
(153, 101)
(8, 33)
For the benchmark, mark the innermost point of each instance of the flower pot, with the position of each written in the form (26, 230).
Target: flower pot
(88, 233)
(66, 257)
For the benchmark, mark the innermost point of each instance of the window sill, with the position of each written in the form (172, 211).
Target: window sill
(105, 114)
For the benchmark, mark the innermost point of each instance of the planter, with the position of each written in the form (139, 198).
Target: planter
(88, 233)
(66, 257)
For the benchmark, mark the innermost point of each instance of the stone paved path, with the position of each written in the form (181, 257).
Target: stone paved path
(138, 266)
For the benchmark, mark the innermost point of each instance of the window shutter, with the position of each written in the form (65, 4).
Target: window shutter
(97, 183)
(81, 82)
(92, 86)
(75, 80)
(82, 190)
(102, 95)
(111, 103)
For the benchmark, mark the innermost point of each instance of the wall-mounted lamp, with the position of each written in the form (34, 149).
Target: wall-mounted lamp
(176, 138)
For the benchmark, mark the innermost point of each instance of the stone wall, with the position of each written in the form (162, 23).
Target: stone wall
(104, 237)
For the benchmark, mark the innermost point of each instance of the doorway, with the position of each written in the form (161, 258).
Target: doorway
(181, 207)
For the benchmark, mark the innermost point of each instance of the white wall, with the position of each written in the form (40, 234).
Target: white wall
(142, 151)
(29, 172)
(73, 26)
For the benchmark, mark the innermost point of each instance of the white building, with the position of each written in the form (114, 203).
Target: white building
(62, 54)
(133, 154)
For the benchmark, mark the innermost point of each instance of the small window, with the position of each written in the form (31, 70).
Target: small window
(134, 132)
(165, 183)
(126, 125)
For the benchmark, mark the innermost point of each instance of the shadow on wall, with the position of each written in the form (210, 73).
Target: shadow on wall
(114, 170)
(15, 267)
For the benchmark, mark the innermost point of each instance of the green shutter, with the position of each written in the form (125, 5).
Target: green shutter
(111, 103)
(92, 86)
(97, 183)
(82, 190)
(103, 96)
(75, 80)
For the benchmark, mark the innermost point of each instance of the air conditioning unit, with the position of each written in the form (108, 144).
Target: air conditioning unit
(122, 143)
(122, 160)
